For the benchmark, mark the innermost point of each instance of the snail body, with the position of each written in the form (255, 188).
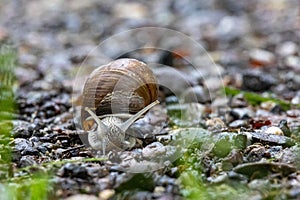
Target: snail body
(122, 89)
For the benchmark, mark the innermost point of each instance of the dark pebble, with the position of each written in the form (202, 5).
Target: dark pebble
(22, 129)
(21, 144)
(30, 151)
(241, 113)
(42, 149)
(65, 143)
(73, 170)
(27, 161)
(21, 132)
(47, 145)
(272, 139)
(258, 81)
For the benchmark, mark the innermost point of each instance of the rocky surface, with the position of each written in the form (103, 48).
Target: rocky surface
(240, 139)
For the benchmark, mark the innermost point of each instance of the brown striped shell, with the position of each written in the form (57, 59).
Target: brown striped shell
(122, 86)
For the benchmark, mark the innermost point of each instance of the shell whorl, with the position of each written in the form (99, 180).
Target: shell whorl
(122, 86)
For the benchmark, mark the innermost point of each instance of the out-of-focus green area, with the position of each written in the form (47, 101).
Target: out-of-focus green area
(35, 186)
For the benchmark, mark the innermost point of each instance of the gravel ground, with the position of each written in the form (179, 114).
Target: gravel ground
(252, 136)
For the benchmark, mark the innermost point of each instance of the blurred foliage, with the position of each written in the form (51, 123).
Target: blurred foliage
(36, 185)
(256, 99)
(33, 187)
(7, 104)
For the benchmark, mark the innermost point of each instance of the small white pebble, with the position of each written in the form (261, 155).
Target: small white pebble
(274, 130)
(159, 190)
(287, 48)
(106, 194)
(262, 56)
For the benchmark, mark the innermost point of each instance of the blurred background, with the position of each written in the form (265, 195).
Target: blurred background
(60, 33)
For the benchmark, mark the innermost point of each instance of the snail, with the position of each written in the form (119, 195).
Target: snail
(114, 97)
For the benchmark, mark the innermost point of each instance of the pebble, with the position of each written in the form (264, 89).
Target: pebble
(21, 144)
(274, 130)
(268, 105)
(255, 153)
(234, 158)
(215, 125)
(293, 62)
(82, 197)
(73, 170)
(159, 190)
(289, 155)
(272, 139)
(238, 101)
(154, 151)
(104, 183)
(232, 27)
(26, 161)
(261, 57)
(286, 48)
(132, 10)
(241, 113)
(293, 113)
(22, 129)
(29, 150)
(239, 123)
(106, 194)
(257, 81)
(296, 100)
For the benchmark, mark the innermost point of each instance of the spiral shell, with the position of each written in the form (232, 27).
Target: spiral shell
(121, 86)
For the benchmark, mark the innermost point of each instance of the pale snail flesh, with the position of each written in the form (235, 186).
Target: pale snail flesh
(111, 93)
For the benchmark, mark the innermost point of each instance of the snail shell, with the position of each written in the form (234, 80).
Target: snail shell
(121, 86)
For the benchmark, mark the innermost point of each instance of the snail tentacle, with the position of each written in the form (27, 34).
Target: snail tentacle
(96, 138)
(132, 119)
